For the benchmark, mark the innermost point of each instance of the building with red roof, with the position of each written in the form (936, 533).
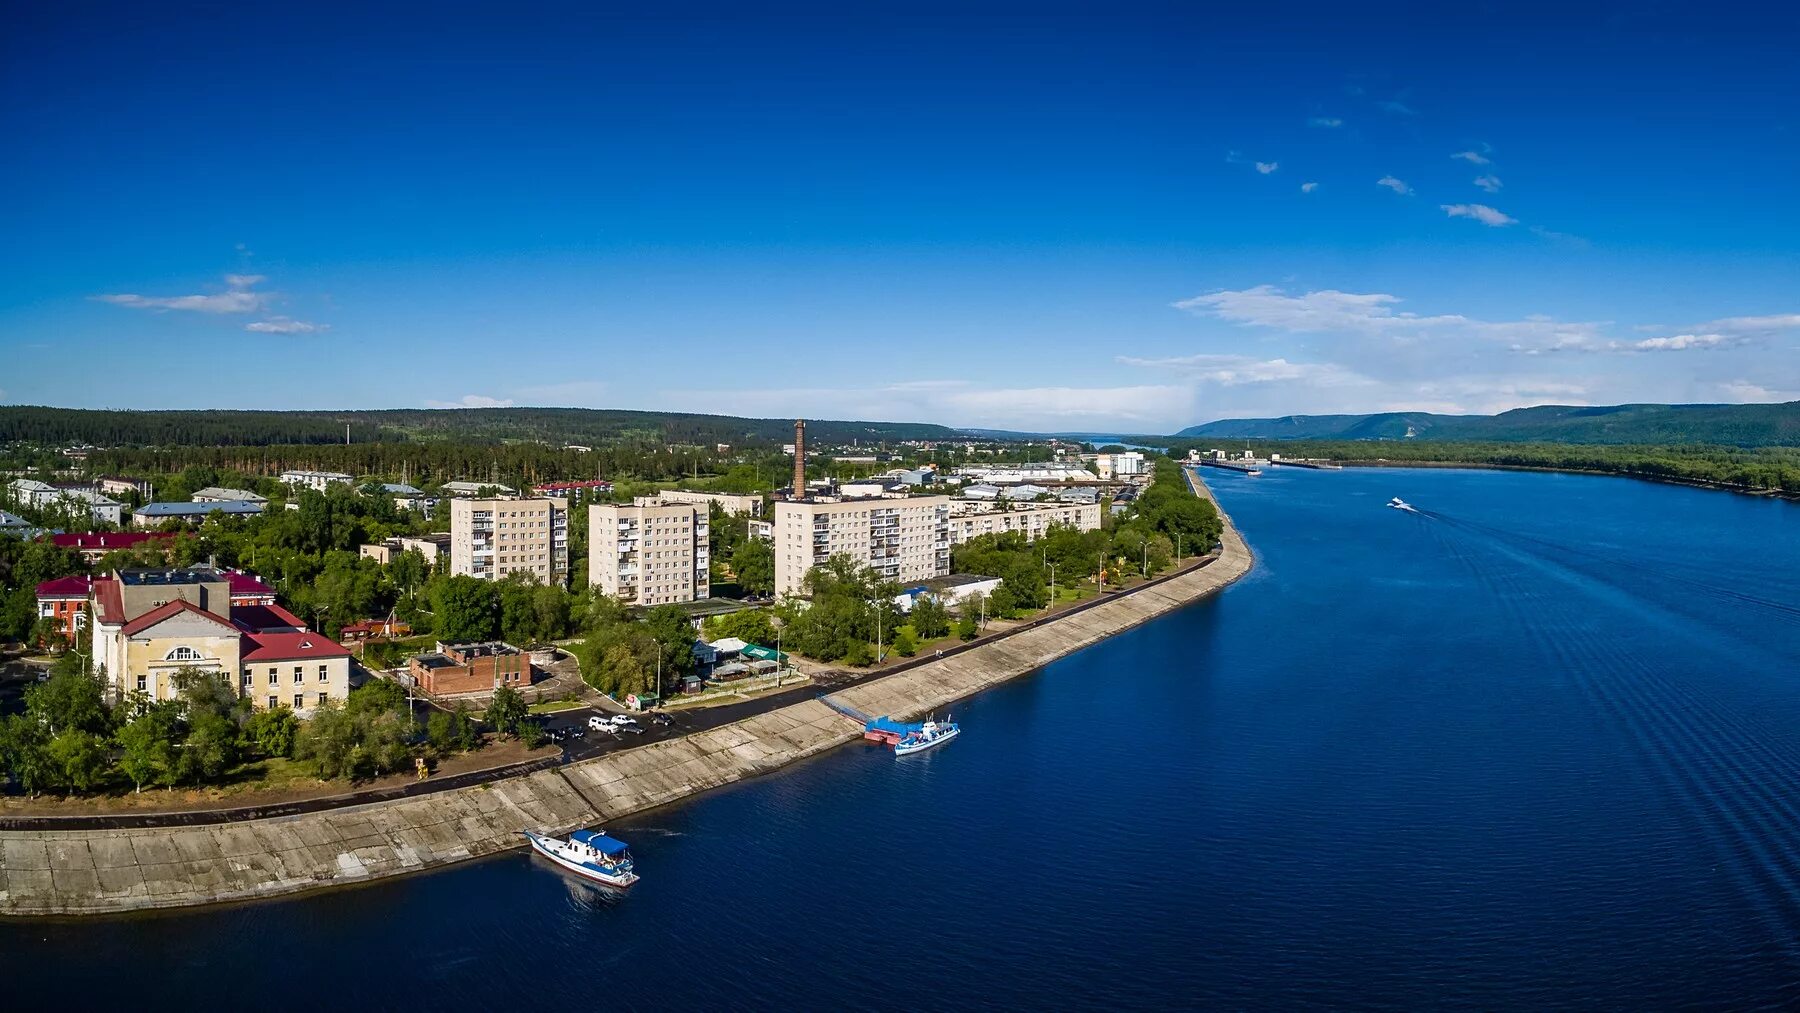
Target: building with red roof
(94, 544)
(65, 600)
(152, 627)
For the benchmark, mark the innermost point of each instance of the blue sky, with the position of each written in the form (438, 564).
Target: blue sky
(1027, 217)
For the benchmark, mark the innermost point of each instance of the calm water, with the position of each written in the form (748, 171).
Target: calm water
(1526, 750)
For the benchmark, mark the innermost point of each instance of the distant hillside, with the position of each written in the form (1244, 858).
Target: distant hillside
(473, 425)
(1747, 425)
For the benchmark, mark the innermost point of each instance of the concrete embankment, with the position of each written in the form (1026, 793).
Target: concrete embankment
(100, 872)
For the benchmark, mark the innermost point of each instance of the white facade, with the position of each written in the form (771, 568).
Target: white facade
(1042, 471)
(317, 481)
(491, 538)
(1129, 464)
(731, 503)
(43, 496)
(1032, 519)
(902, 539)
(474, 488)
(650, 552)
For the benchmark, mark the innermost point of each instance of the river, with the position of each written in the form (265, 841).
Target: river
(1535, 746)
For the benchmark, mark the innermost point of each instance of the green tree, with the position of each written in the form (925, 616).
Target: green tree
(673, 632)
(69, 701)
(147, 745)
(752, 626)
(859, 653)
(329, 741)
(753, 562)
(78, 758)
(506, 711)
(466, 609)
(966, 628)
(274, 731)
(906, 644)
(440, 732)
(929, 617)
(531, 734)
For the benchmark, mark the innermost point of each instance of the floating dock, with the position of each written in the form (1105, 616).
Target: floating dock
(881, 729)
(1315, 465)
(1240, 467)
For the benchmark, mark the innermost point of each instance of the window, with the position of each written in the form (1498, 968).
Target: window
(246, 682)
(324, 673)
(274, 702)
(183, 653)
(143, 682)
(299, 700)
(323, 696)
(274, 678)
(299, 674)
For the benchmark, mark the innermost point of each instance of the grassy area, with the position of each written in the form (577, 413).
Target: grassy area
(552, 706)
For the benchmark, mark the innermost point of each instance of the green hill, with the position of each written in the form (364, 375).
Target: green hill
(1742, 425)
(556, 426)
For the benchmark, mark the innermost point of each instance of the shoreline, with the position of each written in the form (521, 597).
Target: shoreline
(1691, 483)
(73, 873)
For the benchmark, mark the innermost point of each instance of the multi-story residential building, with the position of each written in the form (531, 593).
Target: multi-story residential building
(576, 493)
(1033, 519)
(115, 485)
(902, 539)
(152, 515)
(317, 481)
(92, 545)
(433, 547)
(216, 494)
(491, 538)
(148, 626)
(1040, 471)
(650, 552)
(65, 600)
(731, 503)
(472, 489)
(408, 497)
(43, 496)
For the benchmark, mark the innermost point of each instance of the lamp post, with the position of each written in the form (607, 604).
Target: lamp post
(1052, 585)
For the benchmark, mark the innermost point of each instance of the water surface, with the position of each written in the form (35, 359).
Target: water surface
(1534, 747)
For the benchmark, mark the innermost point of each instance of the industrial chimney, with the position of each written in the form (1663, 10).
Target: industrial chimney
(799, 458)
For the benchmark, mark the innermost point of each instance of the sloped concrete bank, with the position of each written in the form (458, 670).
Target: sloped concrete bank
(114, 871)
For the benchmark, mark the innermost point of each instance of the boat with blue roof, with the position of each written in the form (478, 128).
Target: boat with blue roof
(589, 854)
(927, 736)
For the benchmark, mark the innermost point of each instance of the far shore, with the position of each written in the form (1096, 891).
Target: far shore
(1692, 483)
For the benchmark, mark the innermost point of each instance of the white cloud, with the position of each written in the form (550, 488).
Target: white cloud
(1746, 391)
(1325, 122)
(285, 325)
(1308, 187)
(1472, 157)
(1479, 212)
(1397, 185)
(1241, 370)
(1267, 167)
(1680, 343)
(237, 298)
(1489, 182)
(1755, 325)
(472, 401)
(1397, 108)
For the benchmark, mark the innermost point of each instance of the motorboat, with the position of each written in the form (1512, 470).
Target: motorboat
(589, 854)
(927, 736)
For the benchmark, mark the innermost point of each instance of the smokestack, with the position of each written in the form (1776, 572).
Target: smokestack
(799, 458)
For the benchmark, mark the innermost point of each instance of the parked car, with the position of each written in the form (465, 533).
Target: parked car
(599, 723)
(630, 729)
(661, 719)
(622, 720)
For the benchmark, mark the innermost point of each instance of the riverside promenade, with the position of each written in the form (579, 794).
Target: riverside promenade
(81, 872)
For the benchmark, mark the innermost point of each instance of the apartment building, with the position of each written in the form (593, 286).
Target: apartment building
(491, 538)
(1033, 519)
(433, 547)
(650, 552)
(902, 539)
(318, 481)
(1129, 464)
(731, 503)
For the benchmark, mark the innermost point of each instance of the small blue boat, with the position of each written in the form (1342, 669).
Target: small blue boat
(589, 854)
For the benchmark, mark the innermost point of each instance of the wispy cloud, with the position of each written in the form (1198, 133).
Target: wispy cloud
(1374, 314)
(1308, 187)
(1325, 122)
(1489, 182)
(1755, 325)
(238, 297)
(285, 325)
(1745, 390)
(1472, 157)
(1267, 167)
(1397, 185)
(1397, 107)
(1559, 238)
(1242, 370)
(1479, 212)
(472, 401)
(1681, 343)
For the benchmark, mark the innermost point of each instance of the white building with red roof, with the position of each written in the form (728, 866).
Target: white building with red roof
(152, 626)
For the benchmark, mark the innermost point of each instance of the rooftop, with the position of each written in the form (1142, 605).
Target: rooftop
(289, 647)
(107, 540)
(197, 509)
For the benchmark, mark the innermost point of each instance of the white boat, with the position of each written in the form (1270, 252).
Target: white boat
(930, 734)
(589, 854)
(1399, 504)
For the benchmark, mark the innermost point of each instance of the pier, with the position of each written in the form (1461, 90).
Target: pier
(1316, 465)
